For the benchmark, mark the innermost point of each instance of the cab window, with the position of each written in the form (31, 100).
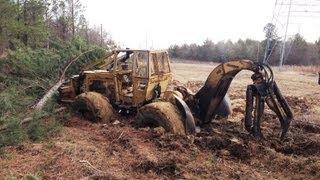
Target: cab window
(153, 63)
(125, 60)
(141, 64)
(163, 63)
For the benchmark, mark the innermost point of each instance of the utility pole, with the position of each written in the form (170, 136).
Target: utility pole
(285, 36)
(296, 9)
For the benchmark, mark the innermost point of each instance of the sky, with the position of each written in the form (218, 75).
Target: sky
(161, 23)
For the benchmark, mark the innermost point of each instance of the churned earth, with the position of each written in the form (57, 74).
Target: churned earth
(222, 150)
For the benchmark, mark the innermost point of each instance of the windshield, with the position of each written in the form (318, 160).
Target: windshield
(125, 60)
(141, 64)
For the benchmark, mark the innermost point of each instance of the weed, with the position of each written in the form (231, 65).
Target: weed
(50, 144)
(10, 178)
(40, 128)
(33, 177)
(9, 101)
(13, 134)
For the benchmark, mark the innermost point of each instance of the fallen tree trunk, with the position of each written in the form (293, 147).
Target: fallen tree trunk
(49, 94)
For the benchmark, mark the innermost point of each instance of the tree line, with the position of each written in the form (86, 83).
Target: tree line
(297, 52)
(45, 23)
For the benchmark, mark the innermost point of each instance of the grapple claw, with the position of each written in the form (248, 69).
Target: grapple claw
(253, 122)
(257, 117)
(258, 94)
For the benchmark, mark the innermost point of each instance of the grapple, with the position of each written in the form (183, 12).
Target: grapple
(265, 91)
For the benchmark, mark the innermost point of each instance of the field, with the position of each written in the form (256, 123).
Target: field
(222, 150)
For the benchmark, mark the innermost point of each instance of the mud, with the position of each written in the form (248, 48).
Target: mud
(222, 150)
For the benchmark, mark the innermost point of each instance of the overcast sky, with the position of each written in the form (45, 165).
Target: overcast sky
(160, 23)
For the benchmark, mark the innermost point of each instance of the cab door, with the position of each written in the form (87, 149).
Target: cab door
(140, 77)
(160, 74)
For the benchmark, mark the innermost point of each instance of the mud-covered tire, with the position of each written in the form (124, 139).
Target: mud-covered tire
(163, 114)
(94, 107)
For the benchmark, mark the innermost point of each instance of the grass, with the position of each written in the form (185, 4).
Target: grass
(12, 100)
(33, 177)
(306, 69)
(39, 128)
(15, 107)
(13, 134)
(27, 177)
(16, 101)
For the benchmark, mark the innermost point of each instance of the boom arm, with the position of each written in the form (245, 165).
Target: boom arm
(102, 62)
(217, 84)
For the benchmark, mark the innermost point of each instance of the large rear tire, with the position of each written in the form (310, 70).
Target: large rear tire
(94, 107)
(163, 114)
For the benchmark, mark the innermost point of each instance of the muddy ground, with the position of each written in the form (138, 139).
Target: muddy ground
(222, 150)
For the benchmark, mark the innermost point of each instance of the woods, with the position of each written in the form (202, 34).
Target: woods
(38, 39)
(298, 51)
(42, 23)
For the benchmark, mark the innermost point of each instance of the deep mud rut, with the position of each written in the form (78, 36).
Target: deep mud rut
(222, 150)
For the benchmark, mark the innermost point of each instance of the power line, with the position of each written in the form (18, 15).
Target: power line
(274, 9)
(270, 30)
(294, 10)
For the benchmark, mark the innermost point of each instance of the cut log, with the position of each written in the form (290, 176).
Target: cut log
(48, 95)
(53, 89)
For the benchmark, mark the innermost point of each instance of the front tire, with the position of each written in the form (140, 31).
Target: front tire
(163, 114)
(94, 107)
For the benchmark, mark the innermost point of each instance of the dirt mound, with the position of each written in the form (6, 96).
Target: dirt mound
(194, 86)
(298, 104)
(168, 167)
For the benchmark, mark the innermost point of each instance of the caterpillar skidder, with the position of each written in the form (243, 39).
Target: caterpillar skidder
(138, 82)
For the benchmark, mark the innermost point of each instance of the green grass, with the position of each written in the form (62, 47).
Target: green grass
(40, 128)
(13, 134)
(35, 176)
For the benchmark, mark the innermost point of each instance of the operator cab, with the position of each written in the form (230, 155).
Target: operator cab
(142, 75)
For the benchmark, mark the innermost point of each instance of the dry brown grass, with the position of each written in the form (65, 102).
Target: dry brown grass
(306, 69)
